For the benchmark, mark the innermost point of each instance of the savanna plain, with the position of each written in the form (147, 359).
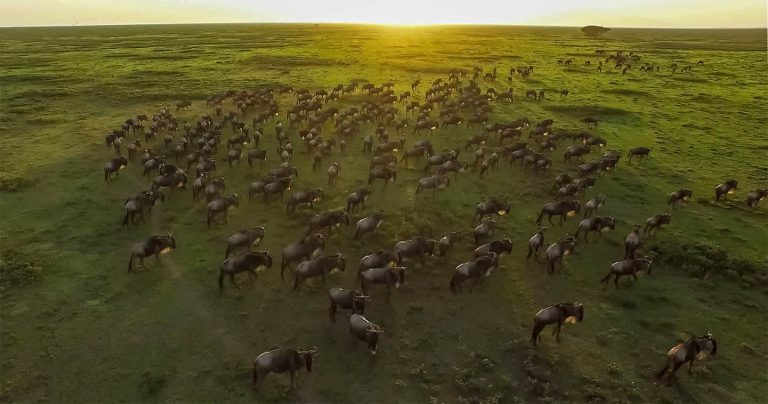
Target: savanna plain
(76, 326)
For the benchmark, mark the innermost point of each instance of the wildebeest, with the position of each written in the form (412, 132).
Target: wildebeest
(245, 238)
(364, 330)
(358, 197)
(353, 300)
(309, 196)
(333, 172)
(114, 166)
(155, 245)
(679, 196)
(755, 196)
(632, 242)
(480, 266)
(250, 262)
(221, 205)
(557, 314)
(577, 151)
(498, 247)
(306, 248)
(256, 155)
(382, 172)
(369, 224)
(378, 259)
(593, 205)
(318, 266)
(490, 207)
(416, 247)
(328, 220)
(136, 204)
(171, 180)
(535, 243)
(556, 251)
(484, 230)
(598, 224)
(559, 208)
(386, 275)
(688, 351)
(639, 152)
(446, 243)
(433, 182)
(282, 360)
(721, 191)
(627, 267)
(655, 222)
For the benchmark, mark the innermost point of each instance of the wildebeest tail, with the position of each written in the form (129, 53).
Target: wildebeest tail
(221, 281)
(453, 284)
(660, 374)
(607, 277)
(536, 331)
(130, 263)
(538, 219)
(106, 175)
(255, 374)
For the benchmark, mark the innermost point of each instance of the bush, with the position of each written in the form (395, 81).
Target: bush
(14, 183)
(17, 269)
(705, 260)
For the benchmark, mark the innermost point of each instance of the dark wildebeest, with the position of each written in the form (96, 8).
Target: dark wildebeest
(155, 245)
(655, 222)
(598, 224)
(333, 172)
(433, 182)
(387, 275)
(721, 191)
(384, 173)
(562, 180)
(627, 267)
(557, 314)
(305, 249)
(484, 230)
(689, 351)
(593, 205)
(416, 152)
(246, 238)
(282, 360)
(480, 266)
(113, 167)
(385, 160)
(589, 121)
(364, 330)
(417, 247)
(559, 208)
(632, 242)
(221, 205)
(198, 185)
(679, 196)
(755, 196)
(318, 266)
(328, 220)
(577, 151)
(490, 207)
(452, 166)
(378, 259)
(639, 152)
(279, 187)
(358, 197)
(310, 197)
(498, 247)
(369, 224)
(250, 262)
(353, 300)
(171, 180)
(136, 204)
(256, 155)
(557, 251)
(446, 243)
(535, 243)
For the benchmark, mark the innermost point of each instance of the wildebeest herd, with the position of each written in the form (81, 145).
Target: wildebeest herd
(385, 125)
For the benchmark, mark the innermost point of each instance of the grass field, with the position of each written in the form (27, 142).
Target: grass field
(76, 327)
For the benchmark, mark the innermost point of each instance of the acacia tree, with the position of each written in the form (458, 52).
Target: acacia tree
(594, 31)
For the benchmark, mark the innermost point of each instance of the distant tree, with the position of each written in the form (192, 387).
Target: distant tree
(594, 31)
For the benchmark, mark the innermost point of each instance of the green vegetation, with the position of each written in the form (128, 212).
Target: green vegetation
(85, 330)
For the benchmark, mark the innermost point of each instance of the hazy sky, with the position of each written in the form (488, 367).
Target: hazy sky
(612, 13)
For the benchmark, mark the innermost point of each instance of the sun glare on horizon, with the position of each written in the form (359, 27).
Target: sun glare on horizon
(615, 13)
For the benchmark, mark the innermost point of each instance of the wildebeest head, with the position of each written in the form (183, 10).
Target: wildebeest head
(578, 311)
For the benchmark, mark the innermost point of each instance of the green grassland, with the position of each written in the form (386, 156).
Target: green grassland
(76, 327)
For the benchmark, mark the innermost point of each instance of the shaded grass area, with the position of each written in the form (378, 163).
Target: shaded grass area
(165, 334)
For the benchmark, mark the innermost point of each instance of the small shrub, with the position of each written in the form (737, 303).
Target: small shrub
(17, 269)
(15, 183)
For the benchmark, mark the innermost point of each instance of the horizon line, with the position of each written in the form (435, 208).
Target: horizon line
(373, 24)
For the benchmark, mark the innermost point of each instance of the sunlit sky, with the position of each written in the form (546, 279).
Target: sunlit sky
(612, 13)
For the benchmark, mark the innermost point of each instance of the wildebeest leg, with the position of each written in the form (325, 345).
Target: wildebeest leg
(690, 366)
(616, 280)
(332, 311)
(477, 279)
(550, 219)
(251, 276)
(232, 279)
(292, 378)
(674, 369)
(559, 324)
(634, 276)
